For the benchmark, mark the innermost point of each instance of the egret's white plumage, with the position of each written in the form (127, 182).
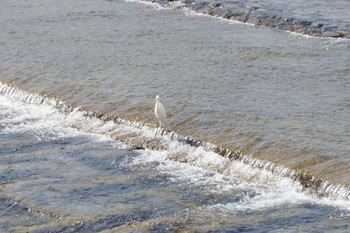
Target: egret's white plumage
(160, 113)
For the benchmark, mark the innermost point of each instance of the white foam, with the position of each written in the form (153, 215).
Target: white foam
(283, 193)
(203, 168)
(213, 173)
(47, 122)
(196, 166)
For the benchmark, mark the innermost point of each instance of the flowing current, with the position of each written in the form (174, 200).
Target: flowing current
(256, 137)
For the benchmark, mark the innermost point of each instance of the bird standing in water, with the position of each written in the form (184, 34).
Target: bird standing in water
(160, 113)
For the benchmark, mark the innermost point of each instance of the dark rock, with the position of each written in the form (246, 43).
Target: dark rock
(245, 14)
(285, 24)
(216, 3)
(319, 25)
(209, 11)
(220, 12)
(297, 26)
(232, 14)
(237, 10)
(303, 22)
(314, 31)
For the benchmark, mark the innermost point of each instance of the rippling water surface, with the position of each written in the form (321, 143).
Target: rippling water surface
(320, 11)
(56, 178)
(277, 96)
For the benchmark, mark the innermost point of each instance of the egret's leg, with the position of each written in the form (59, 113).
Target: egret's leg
(155, 134)
(161, 127)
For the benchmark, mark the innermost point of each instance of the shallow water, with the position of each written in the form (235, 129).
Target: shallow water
(321, 12)
(277, 96)
(60, 179)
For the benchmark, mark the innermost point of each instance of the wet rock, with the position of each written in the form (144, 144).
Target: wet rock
(343, 32)
(312, 31)
(286, 21)
(330, 34)
(308, 181)
(216, 4)
(243, 16)
(220, 12)
(317, 25)
(237, 10)
(305, 23)
(231, 14)
(207, 11)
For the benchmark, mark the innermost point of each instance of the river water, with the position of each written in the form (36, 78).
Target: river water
(78, 146)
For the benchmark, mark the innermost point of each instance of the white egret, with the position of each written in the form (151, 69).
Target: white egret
(160, 113)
